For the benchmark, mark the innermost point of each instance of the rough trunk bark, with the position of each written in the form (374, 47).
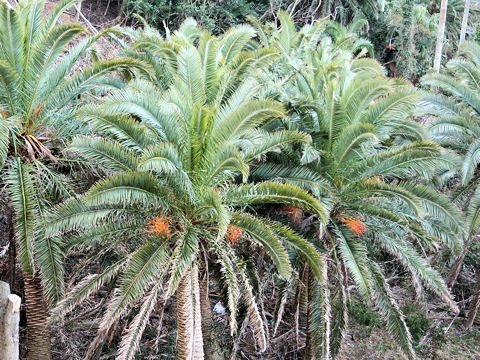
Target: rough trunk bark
(9, 319)
(472, 311)
(310, 353)
(38, 328)
(12, 253)
(457, 265)
(211, 345)
(463, 31)
(189, 320)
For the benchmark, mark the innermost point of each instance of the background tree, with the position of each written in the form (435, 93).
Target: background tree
(463, 30)
(440, 35)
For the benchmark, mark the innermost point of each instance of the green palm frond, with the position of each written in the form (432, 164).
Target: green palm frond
(339, 319)
(350, 140)
(454, 87)
(49, 257)
(303, 247)
(146, 266)
(76, 215)
(275, 141)
(8, 81)
(320, 322)
(22, 194)
(473, 213)
(255, 318)
(261, 232)
(389, 309)
(470, 162)
(301, 176)
(354, 253)
(283, 288)
(182, 258)
(5, 125)
(162, 158)
(409, 257)
(94, 235)
(126, 188)
(234, 41)
(234, 122)
(80, 82)
(227, 260)
(104, 152)
(131, 341)
(440, 207)
(397, 105)
(123, 129)
(411, 159)
(85, 288)
(277, 193)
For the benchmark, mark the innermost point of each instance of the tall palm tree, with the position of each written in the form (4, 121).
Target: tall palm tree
(37, 90)
(173, 199)
(458, 127)
(369, 164)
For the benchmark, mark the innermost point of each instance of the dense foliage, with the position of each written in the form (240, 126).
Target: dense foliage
(216, 16)
(209, 157)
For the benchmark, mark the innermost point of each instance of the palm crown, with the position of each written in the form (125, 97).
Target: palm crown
(172, 196)
(365, 163)
(457, 127)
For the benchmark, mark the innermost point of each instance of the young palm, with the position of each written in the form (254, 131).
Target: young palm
(172, 201)
(323, 35)
(367, 162)
(36, 101)
(457, 127)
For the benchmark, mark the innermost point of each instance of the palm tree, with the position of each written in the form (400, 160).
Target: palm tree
(36, 111)
(458, 127)
(173, 199)
(367, 163)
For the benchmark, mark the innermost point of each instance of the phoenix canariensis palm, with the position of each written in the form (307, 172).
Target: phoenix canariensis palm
(36, 101)
(367, 163)
(173, 197)
(457, 127)
(296, 45)
(149, 46)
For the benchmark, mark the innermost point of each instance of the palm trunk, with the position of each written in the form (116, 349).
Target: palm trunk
(38, 328)
(189, 320)
(457, 265)
(440, 34)
(310, 353)
(12, 253)
(472, 311)
(212, 347)
(463, 31)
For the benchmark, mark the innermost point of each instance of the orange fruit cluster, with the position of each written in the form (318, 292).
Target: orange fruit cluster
(160, 226)
(233, 235)
(357, 227)
(294, 213)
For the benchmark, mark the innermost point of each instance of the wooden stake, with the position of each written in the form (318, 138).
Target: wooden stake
(9, 320)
